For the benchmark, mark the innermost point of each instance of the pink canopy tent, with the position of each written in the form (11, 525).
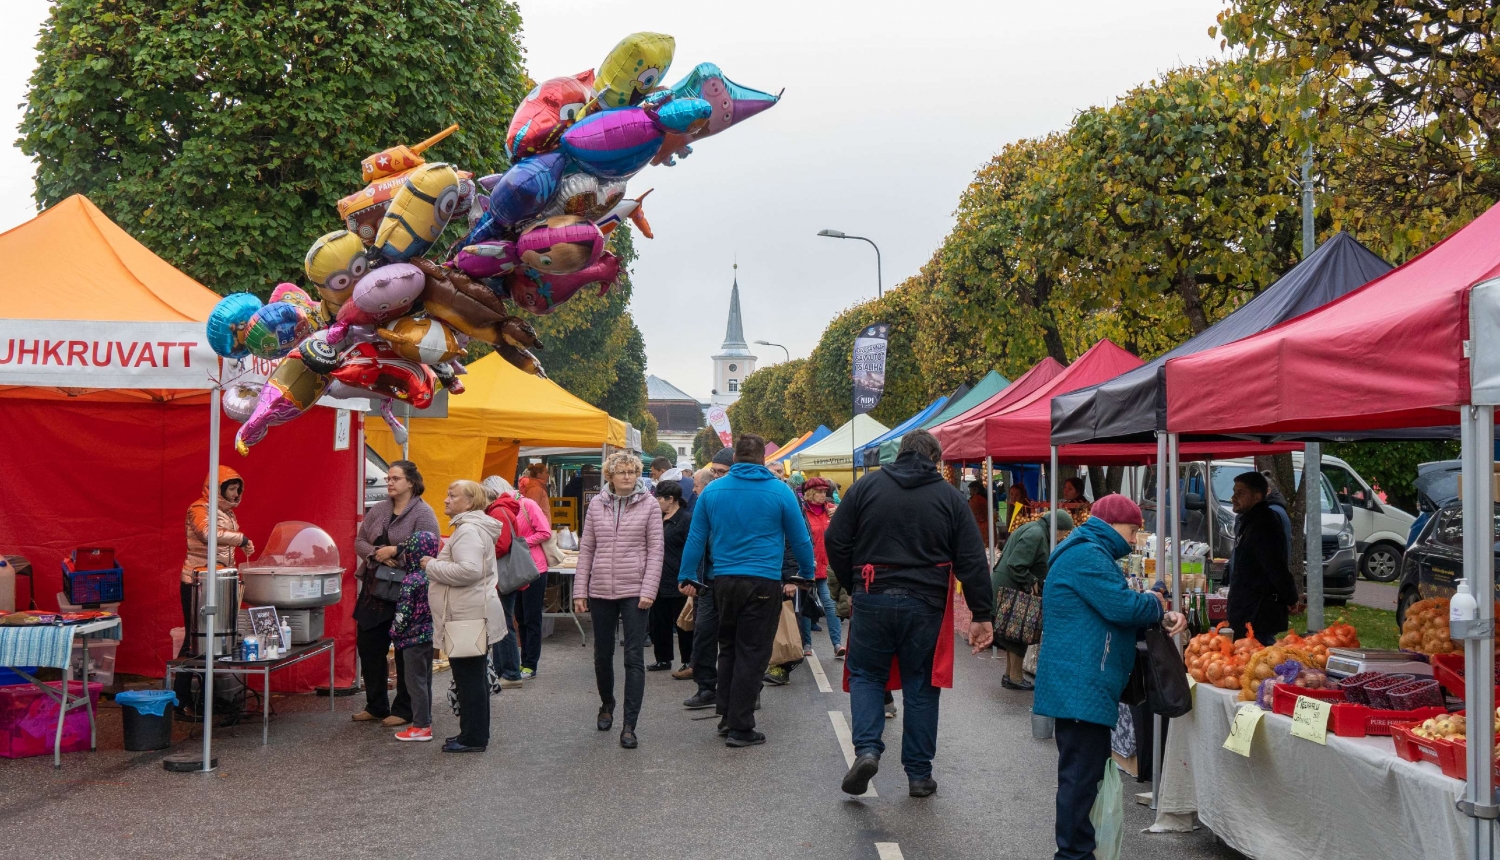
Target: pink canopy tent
(1418, 347)
(959, 438)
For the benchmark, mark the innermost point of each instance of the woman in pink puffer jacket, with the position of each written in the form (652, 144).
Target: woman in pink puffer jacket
(619, 567)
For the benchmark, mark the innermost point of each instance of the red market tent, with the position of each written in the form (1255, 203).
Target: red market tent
(962, 435)
(1416, 348)
(105, 374)
(1388, 355)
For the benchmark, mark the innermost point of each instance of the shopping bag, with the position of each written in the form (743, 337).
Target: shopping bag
(1005, 604)
(685, 617)
(1028, 663)
(788, 645)
(1167, 692)
(1023, 623)
(1108, 814)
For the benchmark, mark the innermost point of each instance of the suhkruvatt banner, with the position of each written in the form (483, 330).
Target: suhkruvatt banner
(88, 354)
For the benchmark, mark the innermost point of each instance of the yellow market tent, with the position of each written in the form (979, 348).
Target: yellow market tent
(501, 409)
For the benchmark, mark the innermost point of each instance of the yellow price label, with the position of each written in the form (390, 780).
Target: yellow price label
(1310, 719)
(1192, 689)
(1242, 730)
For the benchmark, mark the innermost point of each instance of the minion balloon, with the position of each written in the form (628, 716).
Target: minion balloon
(418, 213)
(335, 263)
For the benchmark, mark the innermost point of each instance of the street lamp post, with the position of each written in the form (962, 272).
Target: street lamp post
(783, 349)
(835, 234)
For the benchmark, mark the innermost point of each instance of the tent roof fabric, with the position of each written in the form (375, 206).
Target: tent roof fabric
(836, 449)
(811, 437)
(1389, 355)
(909, 424)
(991, 384)
(1132, 407)
(955, 434)
(77, 264)
(501, 401)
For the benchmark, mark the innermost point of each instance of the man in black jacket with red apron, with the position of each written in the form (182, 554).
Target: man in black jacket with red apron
(896, 543)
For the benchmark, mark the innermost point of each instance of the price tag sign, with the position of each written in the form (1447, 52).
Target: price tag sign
(1192, 689)
(1310, 719)
(1242, 730)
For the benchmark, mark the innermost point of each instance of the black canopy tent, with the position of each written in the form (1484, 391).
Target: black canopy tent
(1132, 407)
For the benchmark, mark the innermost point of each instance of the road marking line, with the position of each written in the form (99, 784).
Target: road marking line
(818, 675)
(846, 743)
(889, 850)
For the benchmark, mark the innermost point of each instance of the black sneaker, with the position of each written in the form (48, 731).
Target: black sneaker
(700, 700)
(723, 729)
(1023, 685)
(745, 739)
(922, 787)
(857, 780)
(659, 667)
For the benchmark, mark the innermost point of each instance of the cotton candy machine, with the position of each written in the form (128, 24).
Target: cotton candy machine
(299, 573)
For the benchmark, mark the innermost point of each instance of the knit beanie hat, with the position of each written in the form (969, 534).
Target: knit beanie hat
(1117, 510)
(725, 457)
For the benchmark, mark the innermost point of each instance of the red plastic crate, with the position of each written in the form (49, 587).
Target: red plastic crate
(1356, 721)
(28, 720)
(1284, 697)
(1448, 669)
(1412, 748)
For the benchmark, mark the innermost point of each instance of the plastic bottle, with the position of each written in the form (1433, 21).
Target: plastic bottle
(1463, 611)
(286, 635)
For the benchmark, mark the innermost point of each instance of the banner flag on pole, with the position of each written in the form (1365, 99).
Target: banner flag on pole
(869, 367)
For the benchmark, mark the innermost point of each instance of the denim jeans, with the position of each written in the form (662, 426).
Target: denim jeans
(628, 616)
(830, 615)
(895, 624)
(506, 653)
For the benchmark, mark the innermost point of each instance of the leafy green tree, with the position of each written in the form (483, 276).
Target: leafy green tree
(1407, 90)
(705, 445)
(763, 405)
(1393, 465)
(662, 449)
(221, 133)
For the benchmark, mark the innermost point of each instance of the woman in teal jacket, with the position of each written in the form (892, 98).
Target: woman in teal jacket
(1090, 619)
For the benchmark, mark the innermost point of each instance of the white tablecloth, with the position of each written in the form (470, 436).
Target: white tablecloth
(1294, 799)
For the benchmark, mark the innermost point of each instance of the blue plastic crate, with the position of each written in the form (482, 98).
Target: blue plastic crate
(93, 586)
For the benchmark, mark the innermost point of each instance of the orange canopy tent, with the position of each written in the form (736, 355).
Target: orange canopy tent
(107, 378)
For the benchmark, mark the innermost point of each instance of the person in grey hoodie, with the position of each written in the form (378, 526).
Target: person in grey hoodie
(619, 569)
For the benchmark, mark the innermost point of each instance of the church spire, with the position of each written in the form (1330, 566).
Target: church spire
(734, 333)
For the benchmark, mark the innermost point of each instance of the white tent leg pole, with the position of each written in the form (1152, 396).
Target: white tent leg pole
(210, 606)
(989, 498)
(1174, 557)
(1478, 426)
(1210, 511)
(1161, 504)
(1312, 478)
(1052, 500)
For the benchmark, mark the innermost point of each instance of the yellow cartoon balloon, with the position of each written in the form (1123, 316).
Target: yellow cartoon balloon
(633, 68)
(418, 213)
(334, 263)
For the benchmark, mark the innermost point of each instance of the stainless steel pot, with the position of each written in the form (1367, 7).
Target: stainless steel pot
(226, 588)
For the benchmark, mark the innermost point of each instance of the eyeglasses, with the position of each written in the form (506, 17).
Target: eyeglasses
(719, 470)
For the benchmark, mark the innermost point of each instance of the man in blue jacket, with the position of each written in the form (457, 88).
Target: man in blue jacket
(746, 519)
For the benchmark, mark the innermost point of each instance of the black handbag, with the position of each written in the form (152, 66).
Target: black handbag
(808, 604)
(1167, 692)
(386, 583)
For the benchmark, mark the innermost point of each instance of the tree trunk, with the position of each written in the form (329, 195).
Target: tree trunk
(1192, 302)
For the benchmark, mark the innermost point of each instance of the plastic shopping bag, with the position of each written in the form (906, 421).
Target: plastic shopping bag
(1108, 814)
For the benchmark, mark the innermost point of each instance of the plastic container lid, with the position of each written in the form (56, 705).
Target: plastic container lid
(296, 547)
(153, 702)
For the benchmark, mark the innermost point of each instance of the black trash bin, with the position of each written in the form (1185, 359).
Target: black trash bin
(147, 716)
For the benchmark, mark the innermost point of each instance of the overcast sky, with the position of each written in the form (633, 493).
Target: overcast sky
(889, 109)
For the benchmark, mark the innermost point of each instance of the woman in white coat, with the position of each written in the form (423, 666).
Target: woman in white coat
(461, 590)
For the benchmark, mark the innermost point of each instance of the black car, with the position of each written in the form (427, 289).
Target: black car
(1435, 560)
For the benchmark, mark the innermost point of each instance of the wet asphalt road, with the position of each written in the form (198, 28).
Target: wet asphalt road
(551, 785)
